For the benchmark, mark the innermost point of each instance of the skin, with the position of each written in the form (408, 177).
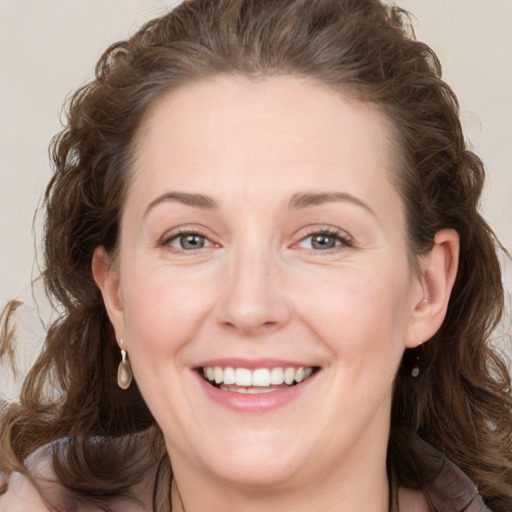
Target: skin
(260, 288)
(23, 496)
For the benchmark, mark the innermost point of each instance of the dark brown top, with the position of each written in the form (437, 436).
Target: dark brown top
(452, 480)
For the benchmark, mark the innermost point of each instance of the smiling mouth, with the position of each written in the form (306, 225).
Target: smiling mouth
(261, 380)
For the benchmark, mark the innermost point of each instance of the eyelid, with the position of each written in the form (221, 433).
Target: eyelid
(178, 239)
(340, 235)
(173, 234)
(344, 239)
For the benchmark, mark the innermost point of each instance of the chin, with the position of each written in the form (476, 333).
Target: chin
(255, 471)
(261, 459)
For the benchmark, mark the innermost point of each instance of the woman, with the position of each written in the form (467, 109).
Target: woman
(263, 224)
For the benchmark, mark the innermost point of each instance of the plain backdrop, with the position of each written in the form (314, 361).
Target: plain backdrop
(48, 48)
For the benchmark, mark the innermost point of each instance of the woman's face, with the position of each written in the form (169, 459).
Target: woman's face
(262, 241)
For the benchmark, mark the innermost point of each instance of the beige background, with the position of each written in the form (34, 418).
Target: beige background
(48, 48)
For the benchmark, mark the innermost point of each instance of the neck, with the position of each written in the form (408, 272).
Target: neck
(334, 492)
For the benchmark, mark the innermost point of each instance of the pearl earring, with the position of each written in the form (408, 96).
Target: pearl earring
(416, 368)
(124, 371)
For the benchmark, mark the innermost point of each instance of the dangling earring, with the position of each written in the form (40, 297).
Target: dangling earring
(124, 371)
(416, 368)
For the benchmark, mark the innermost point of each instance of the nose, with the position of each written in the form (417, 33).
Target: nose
(253, 300)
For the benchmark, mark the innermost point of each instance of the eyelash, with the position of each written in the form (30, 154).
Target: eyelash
(166, 240)
(338, 235)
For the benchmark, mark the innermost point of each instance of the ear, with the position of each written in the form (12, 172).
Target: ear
(435, 278)
(106, 275)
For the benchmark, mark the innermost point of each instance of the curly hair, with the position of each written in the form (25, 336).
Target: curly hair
(461, 401)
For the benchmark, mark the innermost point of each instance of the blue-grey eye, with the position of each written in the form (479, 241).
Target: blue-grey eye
(189, 241)
(321, 241)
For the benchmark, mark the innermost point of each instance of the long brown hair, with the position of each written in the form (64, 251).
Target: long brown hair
(461, 401)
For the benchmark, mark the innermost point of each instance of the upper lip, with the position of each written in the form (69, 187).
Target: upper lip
(253, 364)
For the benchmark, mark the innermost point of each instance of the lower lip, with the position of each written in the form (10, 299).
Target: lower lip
(262, 402)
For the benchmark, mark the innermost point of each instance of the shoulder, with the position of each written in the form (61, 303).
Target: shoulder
(412, 501)
(22, 492)
(450, 482)
(39, 490)
(21, 496)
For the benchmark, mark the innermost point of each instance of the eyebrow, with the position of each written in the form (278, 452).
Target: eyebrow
(304, 200)
(195, 200)
(297, 202)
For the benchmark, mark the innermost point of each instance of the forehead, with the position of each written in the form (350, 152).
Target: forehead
(223, 133)
(216, 105)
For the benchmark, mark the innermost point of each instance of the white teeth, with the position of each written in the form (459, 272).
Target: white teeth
(219, 374)
(276, 376)
(229, 375)
(243, 377)
(250, 390)
(289, 376)
(257, 391)
(299, 375)
(259, 378)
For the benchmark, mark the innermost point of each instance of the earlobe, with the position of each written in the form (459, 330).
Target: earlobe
(437, 273)
(106, 277)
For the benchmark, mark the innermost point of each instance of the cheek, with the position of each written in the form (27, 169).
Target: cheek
(163, 310)
(357, 312)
